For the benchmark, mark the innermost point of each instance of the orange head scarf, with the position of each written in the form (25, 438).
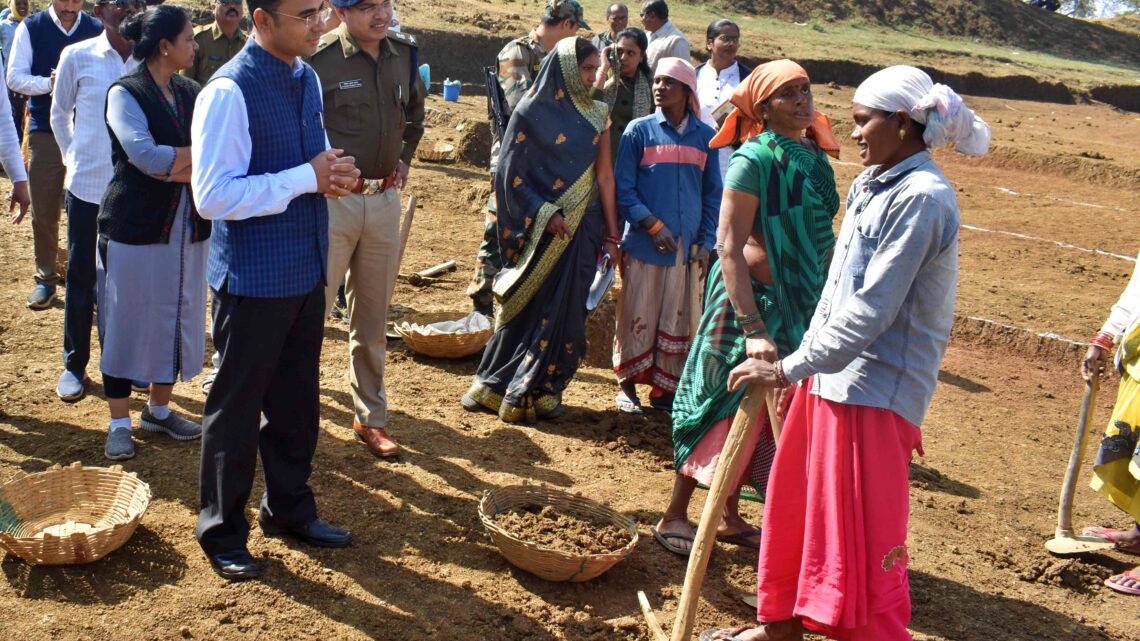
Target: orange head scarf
(746, 121)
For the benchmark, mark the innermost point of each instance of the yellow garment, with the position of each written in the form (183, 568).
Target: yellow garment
(15, 15)
(1116, 474)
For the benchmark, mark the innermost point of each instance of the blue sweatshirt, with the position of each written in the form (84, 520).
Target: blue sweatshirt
(671, 175)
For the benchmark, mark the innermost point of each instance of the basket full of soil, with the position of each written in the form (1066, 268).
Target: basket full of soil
(555, 535)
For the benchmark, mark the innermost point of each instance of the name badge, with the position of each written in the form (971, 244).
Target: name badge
(351, 84)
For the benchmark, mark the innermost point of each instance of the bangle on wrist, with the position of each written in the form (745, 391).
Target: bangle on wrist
(748, 319)
(1105, 341)
(656, 227)
(613, 239)
(781, 378)
(750, 333)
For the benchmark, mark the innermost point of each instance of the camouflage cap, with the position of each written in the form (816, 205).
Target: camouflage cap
(566, 9)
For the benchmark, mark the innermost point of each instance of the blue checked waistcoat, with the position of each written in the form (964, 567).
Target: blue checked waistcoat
(284, 254)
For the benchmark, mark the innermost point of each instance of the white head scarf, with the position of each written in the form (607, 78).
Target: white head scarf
(948, 120)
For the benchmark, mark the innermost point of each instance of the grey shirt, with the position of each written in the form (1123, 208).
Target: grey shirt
(129, 123)
(884, 317)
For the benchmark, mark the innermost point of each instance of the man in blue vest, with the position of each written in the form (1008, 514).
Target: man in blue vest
(36, 48)
(262, 171)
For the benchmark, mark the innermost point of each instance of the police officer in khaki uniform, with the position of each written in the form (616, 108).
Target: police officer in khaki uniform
(374, 111)
(519, 62)
(217, 42)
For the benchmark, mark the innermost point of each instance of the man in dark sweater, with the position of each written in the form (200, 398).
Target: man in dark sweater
(36, 47)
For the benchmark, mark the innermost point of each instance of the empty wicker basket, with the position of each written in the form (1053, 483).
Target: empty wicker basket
(70, 514)
(438, 152)
(546, 563)
(459, 345)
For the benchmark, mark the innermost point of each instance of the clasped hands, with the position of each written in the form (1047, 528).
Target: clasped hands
(337, 174)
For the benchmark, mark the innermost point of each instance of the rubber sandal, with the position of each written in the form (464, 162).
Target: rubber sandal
(1124, 583)
(745, 539)
(663, 539)
(750, 599)
(626, 406)
(1114, 535)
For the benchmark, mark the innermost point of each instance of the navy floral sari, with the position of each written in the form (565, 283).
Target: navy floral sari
(546, 166)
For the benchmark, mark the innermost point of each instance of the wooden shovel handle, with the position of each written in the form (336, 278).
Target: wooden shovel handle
(723, 485)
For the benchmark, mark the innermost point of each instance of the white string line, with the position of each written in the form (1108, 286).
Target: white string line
(1006, 190)
(1058, 243)
(1048, 335)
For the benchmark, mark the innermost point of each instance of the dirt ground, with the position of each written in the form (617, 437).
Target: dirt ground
(983, 500)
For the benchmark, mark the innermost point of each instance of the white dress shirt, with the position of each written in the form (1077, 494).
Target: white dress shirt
(85, 72)
(712, 90)
(20, 76)
(667, 42)
(220, 152)
(10, 154)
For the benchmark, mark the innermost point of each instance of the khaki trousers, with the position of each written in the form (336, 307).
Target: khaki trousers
(364, 241)
(45, 182)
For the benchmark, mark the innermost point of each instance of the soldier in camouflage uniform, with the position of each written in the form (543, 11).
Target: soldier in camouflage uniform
(519, 63)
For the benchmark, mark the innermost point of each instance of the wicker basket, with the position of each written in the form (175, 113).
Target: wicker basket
(546, 563)
(70, 514)
(438, 152)
(443, 345)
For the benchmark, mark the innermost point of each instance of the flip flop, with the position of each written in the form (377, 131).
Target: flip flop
(663, 539)
(1124, 583)
(626, 406)
(745, 539)
(1114, 535)
(749, 599)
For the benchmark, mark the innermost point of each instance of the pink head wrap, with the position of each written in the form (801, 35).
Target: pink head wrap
(680, 70)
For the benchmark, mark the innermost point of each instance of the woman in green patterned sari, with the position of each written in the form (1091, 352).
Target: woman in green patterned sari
(774, 241)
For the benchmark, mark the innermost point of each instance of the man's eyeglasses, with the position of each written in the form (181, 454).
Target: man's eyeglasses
(373, 7)
(311, 20)
(727, 39)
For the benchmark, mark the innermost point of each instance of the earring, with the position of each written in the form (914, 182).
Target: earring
(902, 134)
(166, 53)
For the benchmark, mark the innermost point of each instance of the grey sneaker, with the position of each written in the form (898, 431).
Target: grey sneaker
(41, 297)
(119, 446)
(174, 425)
(71, 387)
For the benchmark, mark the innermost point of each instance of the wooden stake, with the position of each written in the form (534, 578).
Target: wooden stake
(406, 229)
(723, 485)
(650, 618)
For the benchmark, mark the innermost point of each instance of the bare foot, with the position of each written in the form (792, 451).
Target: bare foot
(790, 630)
(678, 532)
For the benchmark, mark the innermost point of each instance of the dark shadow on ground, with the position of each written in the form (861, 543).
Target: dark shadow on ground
(143, 564)
(962, 383)
(933, 480)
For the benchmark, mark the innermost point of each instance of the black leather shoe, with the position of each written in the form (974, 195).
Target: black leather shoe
(237, 565)
(315, 532)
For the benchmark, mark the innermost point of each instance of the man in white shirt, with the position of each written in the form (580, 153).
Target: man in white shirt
(38, 43)
(665, 39)
(13, 160)
(86, 71)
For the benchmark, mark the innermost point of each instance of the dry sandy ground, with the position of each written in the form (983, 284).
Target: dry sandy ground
(983, 500)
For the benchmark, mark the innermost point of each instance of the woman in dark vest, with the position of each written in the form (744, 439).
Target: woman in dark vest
(152, 249)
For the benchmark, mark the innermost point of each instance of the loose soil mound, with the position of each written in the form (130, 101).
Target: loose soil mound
(563, 532)
(1003, 21)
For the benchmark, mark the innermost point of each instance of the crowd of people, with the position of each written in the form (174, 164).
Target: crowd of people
(262, 171)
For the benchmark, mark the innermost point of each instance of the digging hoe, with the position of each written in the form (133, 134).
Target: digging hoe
(1064, 543)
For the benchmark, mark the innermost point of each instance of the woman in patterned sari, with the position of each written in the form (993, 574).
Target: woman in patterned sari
(774, 242)
(555, 190)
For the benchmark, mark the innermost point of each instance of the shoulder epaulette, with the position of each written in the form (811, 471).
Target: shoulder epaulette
(404, 38)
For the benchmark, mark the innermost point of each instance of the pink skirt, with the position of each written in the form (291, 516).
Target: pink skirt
(834, 546)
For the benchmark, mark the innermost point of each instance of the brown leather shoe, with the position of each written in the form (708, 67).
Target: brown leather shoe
(377, 440)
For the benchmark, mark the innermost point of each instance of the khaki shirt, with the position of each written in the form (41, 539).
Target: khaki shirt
(214, 50)
(374, 109)
(519, 62)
